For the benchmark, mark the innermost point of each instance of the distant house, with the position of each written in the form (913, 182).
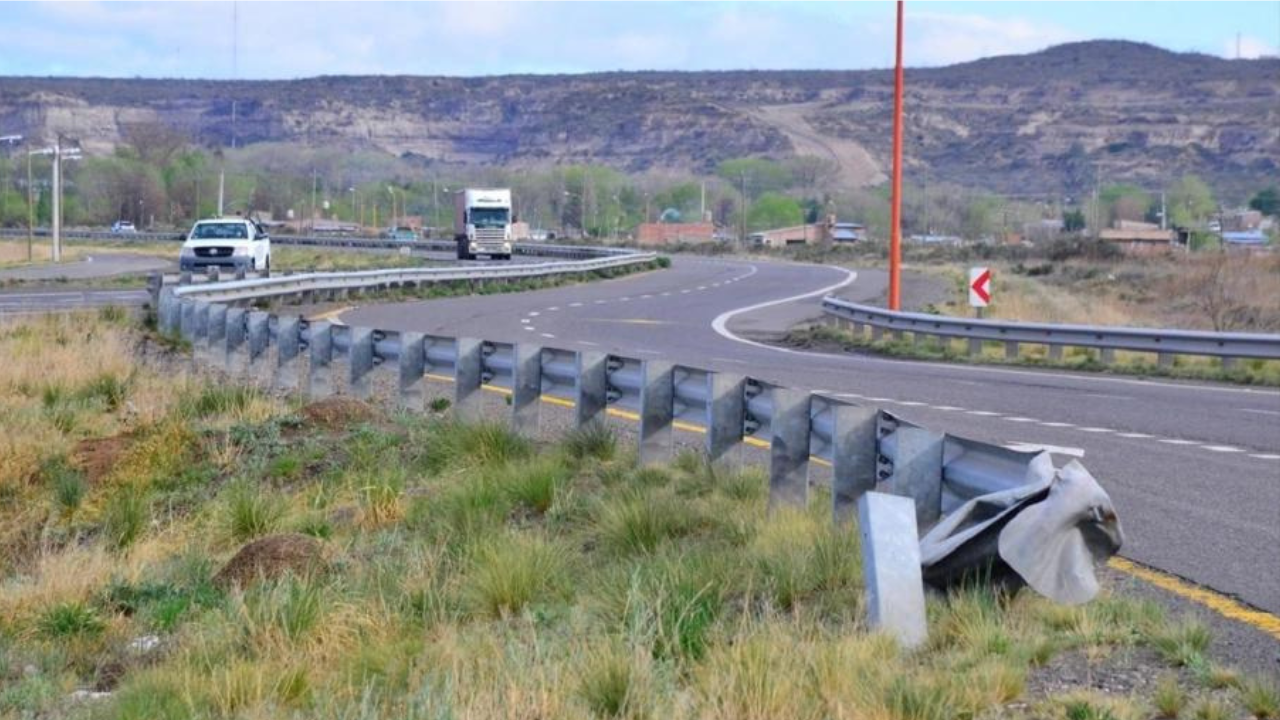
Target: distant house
(651, 234)
(810, 234)
(783, 237)
(847, 232)
(1140, 241)
(1251, 238)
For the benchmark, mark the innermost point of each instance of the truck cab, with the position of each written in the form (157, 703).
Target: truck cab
(232, 242)
(482, 223)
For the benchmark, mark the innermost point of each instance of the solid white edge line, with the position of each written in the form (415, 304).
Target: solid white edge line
(721, 322)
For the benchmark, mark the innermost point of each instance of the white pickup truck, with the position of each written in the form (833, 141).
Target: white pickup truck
(233, 242)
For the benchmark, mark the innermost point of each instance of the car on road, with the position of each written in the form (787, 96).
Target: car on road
(123, 227)
(403, 234)
(231, 242)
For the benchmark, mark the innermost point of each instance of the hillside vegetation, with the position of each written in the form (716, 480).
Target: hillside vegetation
(1029, 123)
(172, 546)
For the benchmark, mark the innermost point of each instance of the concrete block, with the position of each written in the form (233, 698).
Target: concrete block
(853, 458)
(657, 397)
(320, 369)
(187, 315)
(526, 389)
(789, 449)
(360, 361)
(891, 568)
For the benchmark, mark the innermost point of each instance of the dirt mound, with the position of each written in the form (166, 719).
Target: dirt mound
(337, 411)
(271, 557)
(97, 457)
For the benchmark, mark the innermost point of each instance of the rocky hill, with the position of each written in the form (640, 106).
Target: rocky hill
(1043, 122)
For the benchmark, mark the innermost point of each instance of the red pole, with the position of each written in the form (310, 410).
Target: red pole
(895, 232)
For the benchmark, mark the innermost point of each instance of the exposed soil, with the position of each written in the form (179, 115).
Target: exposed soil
(336, 412)
(97, 457)
(271, 557)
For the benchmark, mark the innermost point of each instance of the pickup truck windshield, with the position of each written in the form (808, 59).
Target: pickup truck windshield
(219, 231)
(489, 217)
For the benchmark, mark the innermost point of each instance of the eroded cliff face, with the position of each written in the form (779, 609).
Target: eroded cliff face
(1044, 122)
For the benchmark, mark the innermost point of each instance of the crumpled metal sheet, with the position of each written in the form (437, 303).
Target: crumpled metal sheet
(1047, 533)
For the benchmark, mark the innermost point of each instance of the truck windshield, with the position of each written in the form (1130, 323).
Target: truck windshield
(219, 231)
(489, 217)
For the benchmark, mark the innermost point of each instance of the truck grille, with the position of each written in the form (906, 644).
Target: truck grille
(213, 252)
(488, 235)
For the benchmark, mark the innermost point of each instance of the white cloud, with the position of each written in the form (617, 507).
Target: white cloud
(934, 38)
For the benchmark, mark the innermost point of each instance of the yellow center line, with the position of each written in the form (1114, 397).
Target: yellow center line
(331, 315)
(1219, 603)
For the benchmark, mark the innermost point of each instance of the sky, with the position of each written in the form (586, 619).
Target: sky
(280, 40)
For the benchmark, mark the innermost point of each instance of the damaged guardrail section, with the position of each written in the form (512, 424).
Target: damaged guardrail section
(1166, 344)
(967, 495)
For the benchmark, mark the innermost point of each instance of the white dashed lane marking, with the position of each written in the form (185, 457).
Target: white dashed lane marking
(1176, 441)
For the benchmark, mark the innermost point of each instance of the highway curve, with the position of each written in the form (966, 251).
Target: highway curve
(1193, 469)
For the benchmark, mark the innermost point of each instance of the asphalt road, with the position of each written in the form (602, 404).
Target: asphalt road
(1194, 469)
(93, 266)
(30, 302)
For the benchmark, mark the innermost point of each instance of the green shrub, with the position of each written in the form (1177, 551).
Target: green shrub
(70, 619)
(248, 512)
(514, 571)
(125, 517)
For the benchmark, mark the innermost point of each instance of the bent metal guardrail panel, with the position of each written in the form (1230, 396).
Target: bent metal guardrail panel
(863, 446)
(1165, 343)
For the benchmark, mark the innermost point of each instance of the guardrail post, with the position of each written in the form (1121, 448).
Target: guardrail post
(233, 340)
(259, 337)
(1108, 356)
(467, 378)
(320, 369)
(1011, 350)
(184, 277)
(724, 414)
(413, 363)
(917, 470)
(1055, 352)
(155, 283)
(360, 361)
(200, 338)
(526, 389)
(1228, 363)
(853, 458)
(975, 347)
(240, 273)
(657, 398)
(877, 332)
(593, 386)
(288, 346)
(789, 449)
(891, 568)
(168, 314)
(215, 345)
(1165, 359)
(187, 322)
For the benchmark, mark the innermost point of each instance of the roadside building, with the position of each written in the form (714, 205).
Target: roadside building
(1140, 241)
(656, 234)
(829, 231)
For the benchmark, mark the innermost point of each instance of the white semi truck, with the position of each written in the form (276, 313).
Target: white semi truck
(482, 223)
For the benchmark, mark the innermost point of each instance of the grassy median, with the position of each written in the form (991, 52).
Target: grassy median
(172, 547)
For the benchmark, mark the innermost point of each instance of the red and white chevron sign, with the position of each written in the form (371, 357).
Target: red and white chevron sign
(979, 286)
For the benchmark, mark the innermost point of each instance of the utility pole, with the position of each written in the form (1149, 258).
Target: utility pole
(895, 221)
(31, 211)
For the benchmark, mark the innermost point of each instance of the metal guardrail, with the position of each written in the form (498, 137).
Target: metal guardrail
(1164, 343)
(864, 446)
(521, 248)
